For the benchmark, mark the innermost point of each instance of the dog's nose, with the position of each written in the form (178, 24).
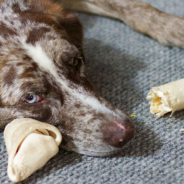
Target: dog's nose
(118, 133)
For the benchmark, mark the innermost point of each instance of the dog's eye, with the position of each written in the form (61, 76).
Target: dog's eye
(75, 61)
(32, 98)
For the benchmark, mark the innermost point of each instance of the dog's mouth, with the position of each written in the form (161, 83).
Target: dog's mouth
(100, 139)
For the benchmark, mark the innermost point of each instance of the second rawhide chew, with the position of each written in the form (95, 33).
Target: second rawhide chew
(30, 144)
(167, 98)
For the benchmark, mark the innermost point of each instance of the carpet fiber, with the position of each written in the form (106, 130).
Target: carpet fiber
(124, 65)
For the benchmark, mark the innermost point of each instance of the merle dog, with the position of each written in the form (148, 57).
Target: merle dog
(42, 68)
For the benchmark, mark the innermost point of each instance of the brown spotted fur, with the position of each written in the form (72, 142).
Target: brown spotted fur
(26, 24)
(89, 124)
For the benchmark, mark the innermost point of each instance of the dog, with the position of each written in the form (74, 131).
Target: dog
(43, 70)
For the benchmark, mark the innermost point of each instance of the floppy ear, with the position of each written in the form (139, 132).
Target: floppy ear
(69, 22)
(63, 18)
(73, 28)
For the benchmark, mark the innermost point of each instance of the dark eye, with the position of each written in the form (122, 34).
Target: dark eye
(32, 98)
(75, 61)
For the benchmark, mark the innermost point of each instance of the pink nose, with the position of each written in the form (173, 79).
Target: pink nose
(118, 133)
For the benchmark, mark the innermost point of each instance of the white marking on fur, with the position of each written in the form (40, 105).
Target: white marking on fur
(40, 57)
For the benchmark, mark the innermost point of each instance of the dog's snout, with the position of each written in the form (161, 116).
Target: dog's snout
(118, 133)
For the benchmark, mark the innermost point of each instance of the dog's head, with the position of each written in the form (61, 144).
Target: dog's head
(42, 77)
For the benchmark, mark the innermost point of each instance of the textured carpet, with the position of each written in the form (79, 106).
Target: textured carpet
(124, 65)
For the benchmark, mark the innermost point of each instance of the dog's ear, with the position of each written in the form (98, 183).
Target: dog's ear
(73, 28)
(65, 20)
(69, 22)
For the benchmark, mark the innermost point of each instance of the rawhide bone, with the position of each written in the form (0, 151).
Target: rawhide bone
(30, 144)
(167, 98)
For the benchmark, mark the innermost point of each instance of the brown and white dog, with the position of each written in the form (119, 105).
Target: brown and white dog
(42, 69)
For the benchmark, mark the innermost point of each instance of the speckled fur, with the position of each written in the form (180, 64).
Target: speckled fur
(41, 53)
(167, 29)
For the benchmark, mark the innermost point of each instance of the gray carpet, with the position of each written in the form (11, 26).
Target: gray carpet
(124, 65)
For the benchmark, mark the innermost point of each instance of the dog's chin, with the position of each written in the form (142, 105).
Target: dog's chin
(96, 153)
(102, 153)
(99, 148)
(104, 136)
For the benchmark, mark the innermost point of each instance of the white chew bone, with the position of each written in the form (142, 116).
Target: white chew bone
(167, 98)
(30, 144)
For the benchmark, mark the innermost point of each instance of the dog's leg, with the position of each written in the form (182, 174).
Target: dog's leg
(166, 28)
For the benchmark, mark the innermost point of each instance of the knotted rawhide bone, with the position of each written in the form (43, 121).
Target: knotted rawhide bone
(30, 144)
(167, 98)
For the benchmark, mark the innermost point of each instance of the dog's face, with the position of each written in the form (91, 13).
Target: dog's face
(42, 77)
